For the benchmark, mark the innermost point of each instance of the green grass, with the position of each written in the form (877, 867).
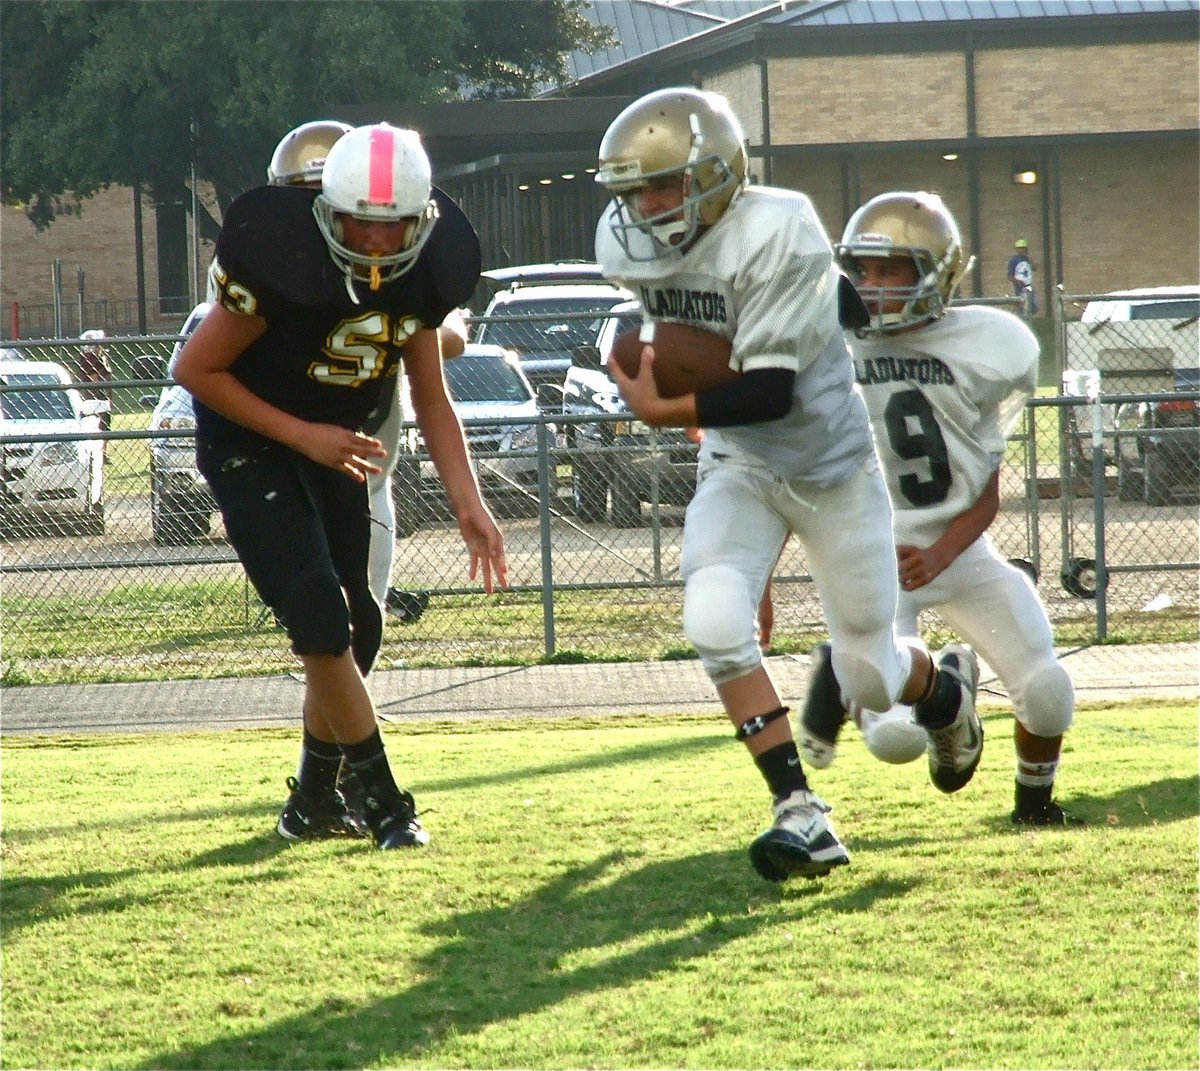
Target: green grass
(586, 902)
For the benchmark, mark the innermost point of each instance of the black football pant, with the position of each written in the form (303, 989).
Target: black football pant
(302, 532)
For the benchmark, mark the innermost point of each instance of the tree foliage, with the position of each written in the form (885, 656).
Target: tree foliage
(118, 93)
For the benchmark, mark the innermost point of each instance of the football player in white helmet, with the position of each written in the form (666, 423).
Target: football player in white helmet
(943, 387)
(299, 160)
(315, 313)
(786, 447)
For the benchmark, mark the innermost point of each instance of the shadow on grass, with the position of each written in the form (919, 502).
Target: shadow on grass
(30, 901)
(1174, 799)
(584, 932)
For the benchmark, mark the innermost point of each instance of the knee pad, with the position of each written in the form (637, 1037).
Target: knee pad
(892, 736)
(315, 614)
(718, 620)
(864, 682)
(1046, 703)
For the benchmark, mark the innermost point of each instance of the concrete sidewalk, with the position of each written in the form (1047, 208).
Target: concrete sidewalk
(1107, 674)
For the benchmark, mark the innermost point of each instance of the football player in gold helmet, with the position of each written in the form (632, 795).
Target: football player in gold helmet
(786, 446)
(943, 387)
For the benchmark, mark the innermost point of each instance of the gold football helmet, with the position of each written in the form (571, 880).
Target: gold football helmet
(916, 225)
(299, 158)
(683, 132)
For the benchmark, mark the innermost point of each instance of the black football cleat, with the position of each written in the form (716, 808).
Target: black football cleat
(304, 818)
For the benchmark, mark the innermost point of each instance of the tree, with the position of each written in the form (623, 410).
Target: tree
(120, 93)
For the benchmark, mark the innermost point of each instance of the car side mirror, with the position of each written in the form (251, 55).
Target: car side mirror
(549, 396)
(586, 356)
(148, 366)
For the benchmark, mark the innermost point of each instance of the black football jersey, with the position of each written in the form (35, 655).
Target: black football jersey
(324, 357)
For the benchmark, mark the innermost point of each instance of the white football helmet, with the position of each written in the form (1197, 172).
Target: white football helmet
(299, 158)
(377, 172)
(683, 132)
(916, 225)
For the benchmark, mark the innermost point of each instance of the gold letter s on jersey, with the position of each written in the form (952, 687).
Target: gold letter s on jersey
(357, 350)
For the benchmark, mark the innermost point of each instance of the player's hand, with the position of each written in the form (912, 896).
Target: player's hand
(339, 448)
(918, 566)
(485, 544)
(641, 392)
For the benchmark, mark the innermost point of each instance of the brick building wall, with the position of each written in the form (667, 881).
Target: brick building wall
(100, 239)
(1129, 210)
(1087, 90)
(839, 99)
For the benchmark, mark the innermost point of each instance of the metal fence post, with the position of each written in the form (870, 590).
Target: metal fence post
(1098, 515)
(544, 505)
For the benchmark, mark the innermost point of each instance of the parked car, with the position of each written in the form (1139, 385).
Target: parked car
(58, 478)
(1144, 341)
(486, 385)
(624, 460)
(544, 322)
(181, 505)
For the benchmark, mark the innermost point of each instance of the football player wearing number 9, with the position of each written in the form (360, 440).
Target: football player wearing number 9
(786, 446)
(318, 294)
(944, 386)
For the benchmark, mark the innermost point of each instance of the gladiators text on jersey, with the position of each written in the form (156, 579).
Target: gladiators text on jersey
(928, 371)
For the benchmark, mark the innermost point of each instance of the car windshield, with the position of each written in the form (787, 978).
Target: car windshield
(35, 404)
(547, 335)
(474, 379)
(1179, 309)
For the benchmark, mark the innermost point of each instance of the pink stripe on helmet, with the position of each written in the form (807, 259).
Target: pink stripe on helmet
(380, 179)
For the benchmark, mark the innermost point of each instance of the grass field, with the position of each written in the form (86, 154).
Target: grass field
(586, 901)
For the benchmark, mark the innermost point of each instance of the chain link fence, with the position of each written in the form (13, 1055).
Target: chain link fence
(148, 588)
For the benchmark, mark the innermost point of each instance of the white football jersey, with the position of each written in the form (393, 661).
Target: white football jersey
(942, 398)
(763, 277)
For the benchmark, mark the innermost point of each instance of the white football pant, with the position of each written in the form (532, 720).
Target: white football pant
(735, 527)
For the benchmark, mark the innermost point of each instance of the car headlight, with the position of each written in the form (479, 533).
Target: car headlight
(624, 428)
(522, 438)
(59, 454)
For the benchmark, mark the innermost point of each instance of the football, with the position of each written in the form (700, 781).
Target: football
(686, 359)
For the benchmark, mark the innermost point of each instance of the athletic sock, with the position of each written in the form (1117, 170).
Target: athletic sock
(369, 762)
(780, 766)
(1030, 799)
(940, 708)
(1035, 784)
(319, 762)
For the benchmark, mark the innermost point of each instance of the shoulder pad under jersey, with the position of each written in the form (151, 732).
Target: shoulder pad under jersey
(270, 237)
(452, 252)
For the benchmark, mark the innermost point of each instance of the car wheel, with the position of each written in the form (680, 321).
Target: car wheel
(91, 521)
(406, 498)
(626, 505)
(1130, 486)
(177, 522)
(1157, 489)
(589, 496)
(1079, 578)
